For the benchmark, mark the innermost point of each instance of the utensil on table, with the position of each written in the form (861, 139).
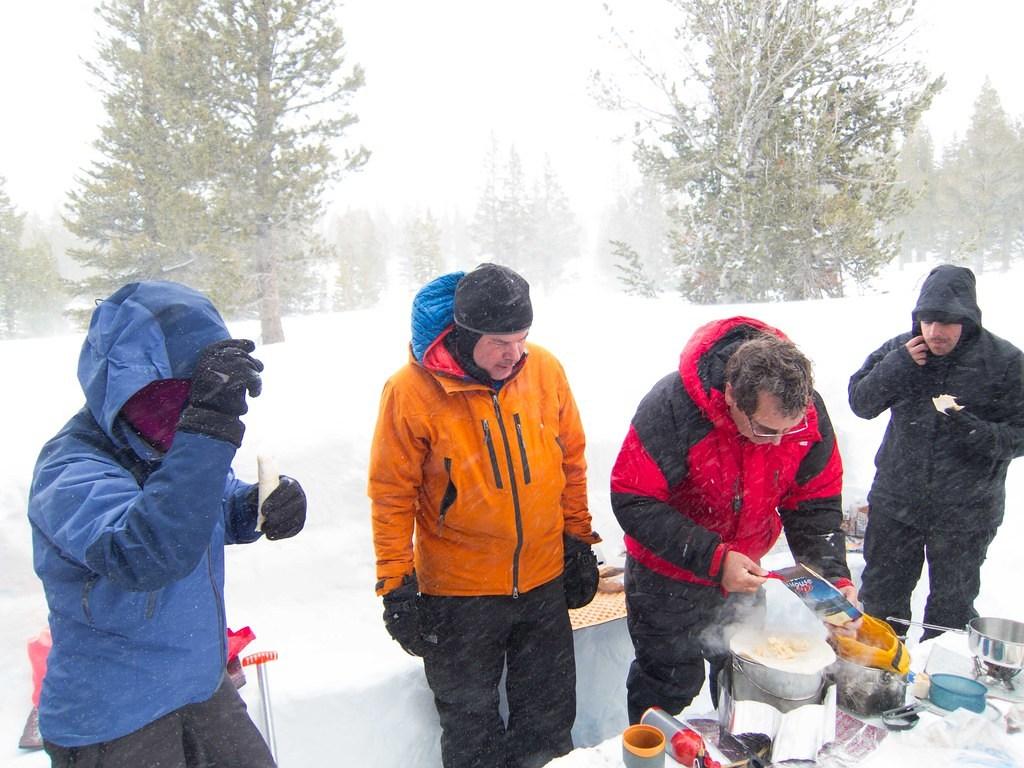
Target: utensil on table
(902, 718)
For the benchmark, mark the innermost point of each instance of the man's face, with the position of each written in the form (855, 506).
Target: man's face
(768, 424)
(498, 353)
(941, 338)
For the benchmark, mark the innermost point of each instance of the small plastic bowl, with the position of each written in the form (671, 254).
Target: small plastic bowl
(957, 692)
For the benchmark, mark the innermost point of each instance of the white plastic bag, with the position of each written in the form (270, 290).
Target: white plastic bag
(961, 739)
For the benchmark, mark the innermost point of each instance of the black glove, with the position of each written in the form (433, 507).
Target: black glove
(402, 616)
(580, 576)
(284, 510)
(224, 373)
(975, 434)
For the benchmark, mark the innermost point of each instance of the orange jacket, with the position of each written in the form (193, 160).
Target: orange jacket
(473, 487)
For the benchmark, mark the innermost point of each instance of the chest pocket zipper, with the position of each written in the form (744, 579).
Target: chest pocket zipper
(489, 440)
(522, 448)
(86, 591)
(450, 493)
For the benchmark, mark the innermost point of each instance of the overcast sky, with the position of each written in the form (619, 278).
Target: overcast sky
(442, 77)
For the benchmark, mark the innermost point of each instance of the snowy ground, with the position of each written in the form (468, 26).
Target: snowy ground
(343, 692)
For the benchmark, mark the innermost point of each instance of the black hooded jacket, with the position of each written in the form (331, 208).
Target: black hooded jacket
(944, 470)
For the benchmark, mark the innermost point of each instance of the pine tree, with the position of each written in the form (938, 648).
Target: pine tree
(917, 176)
(456, 241)
(502, 226)
(554, 234)
(784, 169)
(651, 226)
(281, 96)
(30, 286)
(141, 208)
(41, 292)
(982, 182)
(11, 223)
(424, 242)
(359, 250)
(514, 222)
(640, 218)
(217, 148)
(485, 229)
(529, 226)
(631, 271)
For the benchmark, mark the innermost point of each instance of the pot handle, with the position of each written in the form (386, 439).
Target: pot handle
(767, 692)
(909, 623)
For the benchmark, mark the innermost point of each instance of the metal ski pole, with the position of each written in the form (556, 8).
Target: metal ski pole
(260, 660)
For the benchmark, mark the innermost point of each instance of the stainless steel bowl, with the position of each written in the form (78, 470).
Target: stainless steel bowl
(997, 641)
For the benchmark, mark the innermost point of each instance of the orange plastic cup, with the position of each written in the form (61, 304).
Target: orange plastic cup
(643, 746)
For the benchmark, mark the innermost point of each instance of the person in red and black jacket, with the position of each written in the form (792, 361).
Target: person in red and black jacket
(721, 457)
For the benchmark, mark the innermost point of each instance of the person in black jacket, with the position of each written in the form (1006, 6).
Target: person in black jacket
(955, 393)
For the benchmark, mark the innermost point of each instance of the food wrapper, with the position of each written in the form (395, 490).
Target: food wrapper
(945, 403)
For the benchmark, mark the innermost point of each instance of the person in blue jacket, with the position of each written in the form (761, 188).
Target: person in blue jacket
(131, 505)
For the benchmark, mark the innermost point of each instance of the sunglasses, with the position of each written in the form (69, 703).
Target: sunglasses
(759, 430)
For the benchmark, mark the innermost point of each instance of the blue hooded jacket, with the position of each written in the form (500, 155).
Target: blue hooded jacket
(129, 542)
(432, 311)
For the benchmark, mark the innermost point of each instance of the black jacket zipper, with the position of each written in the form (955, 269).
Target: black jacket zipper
(515, 496)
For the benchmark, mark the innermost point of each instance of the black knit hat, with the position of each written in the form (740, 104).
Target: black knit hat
(493, 299)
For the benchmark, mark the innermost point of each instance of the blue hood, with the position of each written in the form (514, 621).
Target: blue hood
(432, 311)
(144, 332)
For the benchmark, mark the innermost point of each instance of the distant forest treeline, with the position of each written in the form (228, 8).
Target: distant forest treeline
(793, 165)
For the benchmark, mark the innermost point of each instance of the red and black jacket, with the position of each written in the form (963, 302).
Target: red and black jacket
(687, 486)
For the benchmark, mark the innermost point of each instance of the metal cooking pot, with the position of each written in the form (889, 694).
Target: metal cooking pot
(997, 641)
(867, 691)
(797, 678)
(789, 686)
(991, 640)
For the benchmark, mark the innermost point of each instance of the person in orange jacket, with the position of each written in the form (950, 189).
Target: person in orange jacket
(480, 520)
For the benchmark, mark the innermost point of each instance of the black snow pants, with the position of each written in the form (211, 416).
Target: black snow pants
(216, 733)
(675, 626)
(477, 638)
(894, 554)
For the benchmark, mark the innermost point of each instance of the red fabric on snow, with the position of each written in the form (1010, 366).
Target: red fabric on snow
(238, 640)
(38, 650)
